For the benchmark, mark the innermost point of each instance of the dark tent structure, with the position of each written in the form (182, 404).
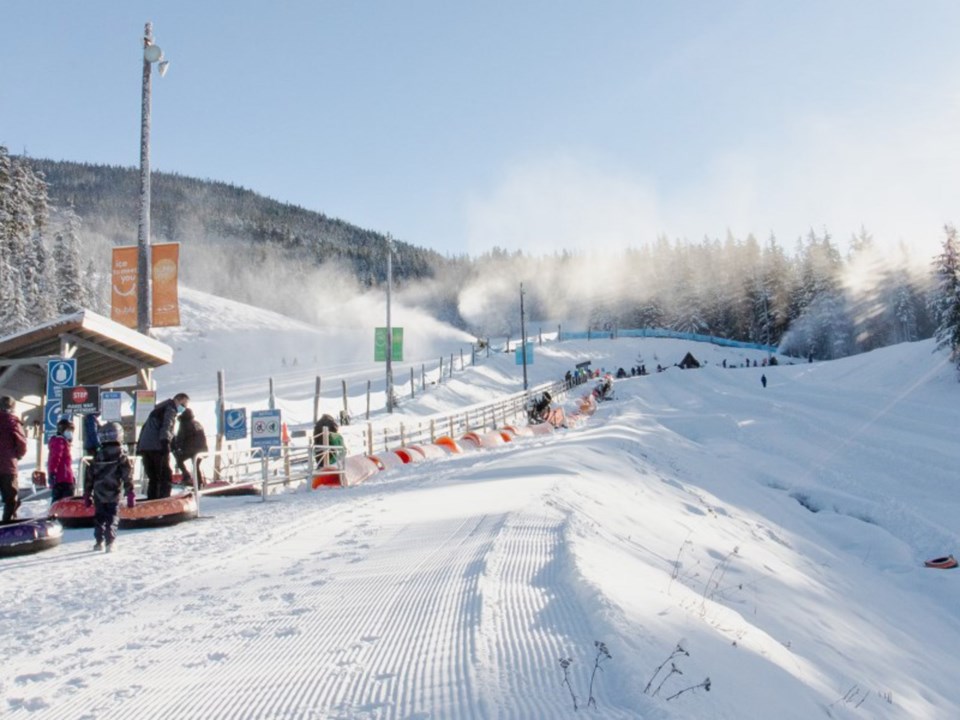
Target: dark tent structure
(689, 361)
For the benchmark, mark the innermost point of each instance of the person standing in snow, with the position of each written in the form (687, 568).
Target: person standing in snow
(91, 433)
(60, 462)
(110, 476)
(322, 456)
(13, 446)
(763, 380)
(190, 441)
(154, 443)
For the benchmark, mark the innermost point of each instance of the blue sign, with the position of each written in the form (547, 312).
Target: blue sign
(51, 416)
(61, 373)
(235, 424)
(519, 354)
(265, 428)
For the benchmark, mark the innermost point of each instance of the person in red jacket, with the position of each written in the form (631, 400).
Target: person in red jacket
(13, 446)
(60, 462)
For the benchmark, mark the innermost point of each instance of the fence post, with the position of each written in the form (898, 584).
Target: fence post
(403, 436)
(218, 460)
(451, 364)
(559, 334)
(346, 410)
(412, 394)
(433, 430)
(264, 471)
(272, 400)
(461, 359)
(368, 399)
(440, 376)
(423, 377)
(316, 401)
(369, 438)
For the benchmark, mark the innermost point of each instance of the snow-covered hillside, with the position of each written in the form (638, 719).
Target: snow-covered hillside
(776, 534)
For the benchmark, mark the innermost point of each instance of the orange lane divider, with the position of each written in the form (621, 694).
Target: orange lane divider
(942, 563)
(449, 444)
(356, 469)
(410, 454)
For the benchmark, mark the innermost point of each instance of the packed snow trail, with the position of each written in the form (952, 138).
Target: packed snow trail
(440, 598)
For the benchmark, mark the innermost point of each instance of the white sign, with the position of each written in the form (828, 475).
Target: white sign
(265, 427)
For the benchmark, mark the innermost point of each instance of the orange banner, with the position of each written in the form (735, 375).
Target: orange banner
(166, 303)
(123, 302)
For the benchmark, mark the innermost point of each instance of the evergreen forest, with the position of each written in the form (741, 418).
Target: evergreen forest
(59, 221)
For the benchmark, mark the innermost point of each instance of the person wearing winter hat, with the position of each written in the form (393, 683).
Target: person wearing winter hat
(111, 474)
(60, 463)
(13, 446)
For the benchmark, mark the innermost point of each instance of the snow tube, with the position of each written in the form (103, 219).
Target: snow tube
(587, 405)
(541, 429)
(72, 512)
(470, 441)
(356, 469)
(431, 450)
(410, 454)
(490, 439)
(449, 444)
(941, 563)
(386, 460)
(327, 479)
(223, 488)
(521, 431)
(22, 537)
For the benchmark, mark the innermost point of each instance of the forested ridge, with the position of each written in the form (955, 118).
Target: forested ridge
(810, 300)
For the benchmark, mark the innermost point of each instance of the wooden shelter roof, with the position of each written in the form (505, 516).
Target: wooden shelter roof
(105, 352)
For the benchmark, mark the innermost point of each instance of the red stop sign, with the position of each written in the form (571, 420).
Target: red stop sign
(80, 395)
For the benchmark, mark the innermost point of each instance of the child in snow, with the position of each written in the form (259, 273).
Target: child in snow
(111, 474)
(189, 442)
(60, 462)
(334, 439)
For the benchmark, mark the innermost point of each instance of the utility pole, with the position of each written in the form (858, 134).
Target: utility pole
(151, 54)
(389, 326)
(523, 338)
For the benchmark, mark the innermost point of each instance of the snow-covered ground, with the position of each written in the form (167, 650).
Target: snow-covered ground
(776, 534)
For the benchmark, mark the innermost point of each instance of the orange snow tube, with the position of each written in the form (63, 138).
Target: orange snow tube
(942, 563)
(448, 444)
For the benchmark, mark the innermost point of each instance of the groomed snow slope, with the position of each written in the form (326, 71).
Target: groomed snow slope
(777, 534)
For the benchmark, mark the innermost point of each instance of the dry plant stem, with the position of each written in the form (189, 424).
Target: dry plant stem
(678, 650)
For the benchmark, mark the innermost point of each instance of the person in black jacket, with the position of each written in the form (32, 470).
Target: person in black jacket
(109, 478)
(154, 442)
(190, 441)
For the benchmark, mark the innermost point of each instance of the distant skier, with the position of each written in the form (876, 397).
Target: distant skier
(763, 380)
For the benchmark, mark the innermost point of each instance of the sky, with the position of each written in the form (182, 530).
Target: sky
(777, 534)
(537, 126)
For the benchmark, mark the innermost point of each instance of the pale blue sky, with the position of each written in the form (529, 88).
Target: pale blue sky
(529, 125)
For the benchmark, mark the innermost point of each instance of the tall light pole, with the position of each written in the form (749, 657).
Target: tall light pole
(523, 338)
(151, 54)
(389, 326)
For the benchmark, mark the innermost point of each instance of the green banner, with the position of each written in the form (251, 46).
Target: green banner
(380, 345)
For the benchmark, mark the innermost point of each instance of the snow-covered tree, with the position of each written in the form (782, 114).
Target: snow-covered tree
(71, 294)
(946, 299)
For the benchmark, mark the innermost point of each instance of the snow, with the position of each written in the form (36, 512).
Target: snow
(777, 534)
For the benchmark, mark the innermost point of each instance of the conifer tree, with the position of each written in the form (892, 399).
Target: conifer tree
(946, 299)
